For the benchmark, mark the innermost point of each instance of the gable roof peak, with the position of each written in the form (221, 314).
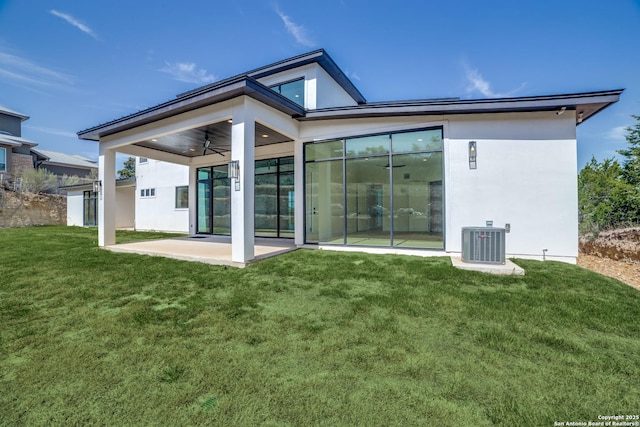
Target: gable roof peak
(319, 56)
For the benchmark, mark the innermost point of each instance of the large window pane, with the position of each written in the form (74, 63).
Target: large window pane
(424, 140)
(204, 207)
(368, 201)
(221, 200)
(294, 91)
(3, 159)
(368, 145)
(286, 205)
(417, 200)
(266, 204)
(323, 150)
(324, 202)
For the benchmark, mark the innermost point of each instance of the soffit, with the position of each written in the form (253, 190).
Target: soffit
(190, 143)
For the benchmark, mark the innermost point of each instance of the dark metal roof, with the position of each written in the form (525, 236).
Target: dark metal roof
(320, 56)
(585, 104)
(222, 91)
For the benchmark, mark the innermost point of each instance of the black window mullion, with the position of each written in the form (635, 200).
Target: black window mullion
(390, 190)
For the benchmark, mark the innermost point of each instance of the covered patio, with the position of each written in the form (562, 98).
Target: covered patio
(235, 122)
(215, 250)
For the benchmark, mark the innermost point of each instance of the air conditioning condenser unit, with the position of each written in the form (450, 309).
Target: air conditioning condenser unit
(483, 245)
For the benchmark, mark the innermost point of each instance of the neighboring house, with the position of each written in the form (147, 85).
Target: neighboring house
(293, 149)
(16, 153)
(82, 204)
(162, 196)
(157, 199)
(62, 164)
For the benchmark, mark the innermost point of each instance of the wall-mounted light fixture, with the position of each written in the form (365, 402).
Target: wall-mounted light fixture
(561, 111)
(580, 117)
(97, 186)
(473, 154)
(234, 173)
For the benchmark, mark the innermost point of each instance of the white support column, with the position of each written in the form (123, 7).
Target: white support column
(298, 174)
(242, 191)
(193, 197)
(107, 197)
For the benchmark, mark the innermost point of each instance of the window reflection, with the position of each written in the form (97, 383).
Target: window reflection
(384, 199)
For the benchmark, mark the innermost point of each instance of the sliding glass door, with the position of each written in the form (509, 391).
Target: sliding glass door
(274, 199)
(221, 200)
(214, 201)
(376, 190)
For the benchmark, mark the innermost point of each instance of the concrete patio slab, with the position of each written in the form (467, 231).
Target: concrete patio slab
(206, 249)
(508, 268)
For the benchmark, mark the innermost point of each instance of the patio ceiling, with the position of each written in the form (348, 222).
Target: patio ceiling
(190, 143)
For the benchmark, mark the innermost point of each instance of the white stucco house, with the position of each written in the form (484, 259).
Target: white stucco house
(82, 204)
(162, 196)
(294, 150)
(155, 200)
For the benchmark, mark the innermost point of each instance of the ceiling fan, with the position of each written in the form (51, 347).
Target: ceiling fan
(206, 145)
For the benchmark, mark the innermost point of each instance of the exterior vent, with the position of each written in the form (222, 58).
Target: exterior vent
(483, 245)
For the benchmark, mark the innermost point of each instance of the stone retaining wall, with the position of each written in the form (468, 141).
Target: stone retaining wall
(26, 209)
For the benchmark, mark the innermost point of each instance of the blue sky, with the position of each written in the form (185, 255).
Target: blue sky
(71, 65)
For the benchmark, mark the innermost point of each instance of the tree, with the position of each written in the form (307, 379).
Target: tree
(129, 169)
(631, 164)
(608, 192)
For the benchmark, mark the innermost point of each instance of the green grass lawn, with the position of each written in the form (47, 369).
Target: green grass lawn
(90, 337)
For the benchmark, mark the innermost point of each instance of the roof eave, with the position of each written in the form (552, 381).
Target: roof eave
(589, 104)
(12, 113)
(223, 92)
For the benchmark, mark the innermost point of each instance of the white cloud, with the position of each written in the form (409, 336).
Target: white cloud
(22, 71)
(617, 133)
(297, 31)
(187, 72)
(353, 75)
(73, 21)
(52, 131)
(477, 84)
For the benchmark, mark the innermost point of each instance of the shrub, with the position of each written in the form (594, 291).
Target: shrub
(38, 181)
